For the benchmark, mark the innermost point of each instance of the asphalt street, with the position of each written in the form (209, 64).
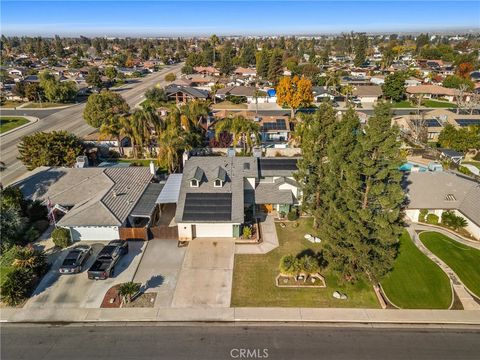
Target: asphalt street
(69, 119)
(234, 342)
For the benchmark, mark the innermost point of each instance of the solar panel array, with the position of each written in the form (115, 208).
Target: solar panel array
(207, 207)
(279, 124)
(432, 123)
(278, 164)
(467, 122)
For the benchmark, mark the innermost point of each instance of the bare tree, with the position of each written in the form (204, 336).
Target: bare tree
(460, 98)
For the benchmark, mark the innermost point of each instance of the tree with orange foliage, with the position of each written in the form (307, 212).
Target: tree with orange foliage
(294, 92)
(464, 70)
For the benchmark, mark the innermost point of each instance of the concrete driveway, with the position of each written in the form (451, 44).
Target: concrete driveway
(159, 269)
(206, 276)
(76, 290)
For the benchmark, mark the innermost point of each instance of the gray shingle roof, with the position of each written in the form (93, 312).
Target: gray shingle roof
(97, 196)
(442, 190)
(147, 202)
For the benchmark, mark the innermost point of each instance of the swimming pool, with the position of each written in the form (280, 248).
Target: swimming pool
(409, 166)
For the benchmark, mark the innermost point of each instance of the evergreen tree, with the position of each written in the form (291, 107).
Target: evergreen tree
(394, 86)
(263, 59)
(226, 65)
(275, 66)
(360, 50)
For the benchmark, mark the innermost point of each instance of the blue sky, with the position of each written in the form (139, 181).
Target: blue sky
(173, 18)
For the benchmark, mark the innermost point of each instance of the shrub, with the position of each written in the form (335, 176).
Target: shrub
(281, 214)
(451, 220)
(432, 219)
(292, 215)
(30, 259)
(288, 265)
(17, 286)
(247, 232)
(422, 215)
(170, 77)
(464, 170)
(308, 264)
(37, 211)
(61, 237)
(30, 235)
(41, 225)
(236, 99)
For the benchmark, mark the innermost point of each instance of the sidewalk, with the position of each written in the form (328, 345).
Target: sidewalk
(464, 296)
(269, 239)
(306, 315)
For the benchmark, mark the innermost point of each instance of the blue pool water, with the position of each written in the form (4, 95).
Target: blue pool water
(409, 166)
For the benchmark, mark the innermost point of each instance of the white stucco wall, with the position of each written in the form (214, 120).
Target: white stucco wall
(81, 233)
(185, 230)
(472, 228)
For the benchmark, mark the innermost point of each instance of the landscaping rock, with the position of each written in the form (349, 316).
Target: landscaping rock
(339, 295)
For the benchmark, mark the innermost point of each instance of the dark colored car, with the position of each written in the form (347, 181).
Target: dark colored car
(107, 258)
(76, 257)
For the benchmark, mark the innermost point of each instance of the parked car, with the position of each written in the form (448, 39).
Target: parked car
(108, 257)
(75, 259)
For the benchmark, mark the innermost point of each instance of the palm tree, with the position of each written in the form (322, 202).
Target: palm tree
(241, 129)
(112, 128)
(347, 90)
(171, 143)
(128, 290)
(214, 41)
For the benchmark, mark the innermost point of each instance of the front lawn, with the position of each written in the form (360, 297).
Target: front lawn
(402, 104)
(6, 260)
(462, 259)
(11, 104)
(416, 282)
(228, 105)
(254, 277)
(11, 122)
(438, 104)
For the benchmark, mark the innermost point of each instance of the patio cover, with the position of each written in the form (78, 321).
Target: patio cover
(171, 190)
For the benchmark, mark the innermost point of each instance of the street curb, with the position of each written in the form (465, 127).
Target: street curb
(31, 119)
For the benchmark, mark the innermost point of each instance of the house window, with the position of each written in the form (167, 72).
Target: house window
(218, 183)
(194, 183)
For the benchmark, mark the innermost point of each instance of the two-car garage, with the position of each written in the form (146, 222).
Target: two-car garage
(189, 231)
(82, 233)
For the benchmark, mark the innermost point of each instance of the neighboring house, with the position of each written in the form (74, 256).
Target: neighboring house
(368, 94)
(183, 94)
(240, 91)
(207, 70)
(215, 192)
(433, 122)
(245, 72)
(434, 92)
(441, 191)
(411, 81)
(274, 129)
(107, 141)
(321, 93)
(377, 79)
(99, 202)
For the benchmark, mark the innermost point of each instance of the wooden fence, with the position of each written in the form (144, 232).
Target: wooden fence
(135, 233)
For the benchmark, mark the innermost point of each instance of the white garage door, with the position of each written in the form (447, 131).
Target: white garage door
(94, 233)
(213, 230)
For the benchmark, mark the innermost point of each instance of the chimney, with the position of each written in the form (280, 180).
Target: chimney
(152, 168)
(185, 157)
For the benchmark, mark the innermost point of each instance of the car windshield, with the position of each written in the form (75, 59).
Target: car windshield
(69, 262)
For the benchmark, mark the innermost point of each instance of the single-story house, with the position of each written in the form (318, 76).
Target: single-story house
(368, 94)
(442, 191)
(245, 72)
(107, 141)
(274, 129)
(216, 191)
(434, 92)
(321, 93)
(451, 155)
(98, 202)
(245, 91)
(185, 93)
(207, 70)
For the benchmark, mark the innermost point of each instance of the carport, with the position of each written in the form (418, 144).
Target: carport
(171, 190)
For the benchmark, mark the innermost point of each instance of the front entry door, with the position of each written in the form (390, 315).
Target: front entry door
(268, 208)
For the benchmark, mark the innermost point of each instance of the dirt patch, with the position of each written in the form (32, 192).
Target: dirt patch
(145, 300)
(112, 299)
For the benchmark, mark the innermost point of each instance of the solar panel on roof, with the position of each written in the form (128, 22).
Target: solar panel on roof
(207, 207)
(278, 164)
(432, 123)
(467, 122)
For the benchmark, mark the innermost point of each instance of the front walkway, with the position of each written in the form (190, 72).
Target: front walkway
(269, 239)
(465, 298)
(205, 280)
(450, 234)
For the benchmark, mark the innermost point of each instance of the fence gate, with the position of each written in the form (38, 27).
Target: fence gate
(133, 233)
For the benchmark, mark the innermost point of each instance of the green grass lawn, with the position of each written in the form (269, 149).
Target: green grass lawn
(438, 104)
(44, 105)
(228, 105)
(6, 260)
(416, 282)
(11, 122)
(254, 277)
(402, 104)
(462, 259)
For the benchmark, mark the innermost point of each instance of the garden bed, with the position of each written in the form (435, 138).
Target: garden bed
(112, 299)
(309, 281)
